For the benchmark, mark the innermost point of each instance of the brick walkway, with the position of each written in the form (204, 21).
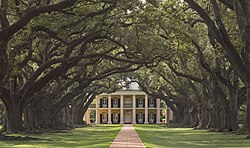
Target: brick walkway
(127, 138)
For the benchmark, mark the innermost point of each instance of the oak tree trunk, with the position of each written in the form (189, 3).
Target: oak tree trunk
(247, 117)
(14, 118)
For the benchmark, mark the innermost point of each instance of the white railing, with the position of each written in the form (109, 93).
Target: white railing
(129, 105)
(115, 105)
(151, 106)
(104, 106)
(140, 105)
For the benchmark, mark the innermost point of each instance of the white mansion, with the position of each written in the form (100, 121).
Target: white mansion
(127, 106)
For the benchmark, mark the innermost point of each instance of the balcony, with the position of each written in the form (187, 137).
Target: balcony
(129, 105)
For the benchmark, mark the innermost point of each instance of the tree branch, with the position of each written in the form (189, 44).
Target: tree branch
(186, 75)
(11, 30)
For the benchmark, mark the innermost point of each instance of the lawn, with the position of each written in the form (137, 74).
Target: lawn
(156, 136)
(89, 137)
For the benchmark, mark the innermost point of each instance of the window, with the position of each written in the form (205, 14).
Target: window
(115, 101)
(115, 116)
(151, 101)
(140, 116)
(104, 118)
(151, 116)
(127, 102)
(105, 101)
(140, 101)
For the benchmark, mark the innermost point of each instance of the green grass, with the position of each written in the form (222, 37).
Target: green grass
(153, 136)
(88, 137)
(156, 136)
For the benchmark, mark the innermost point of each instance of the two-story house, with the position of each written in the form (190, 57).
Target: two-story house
(127, 106)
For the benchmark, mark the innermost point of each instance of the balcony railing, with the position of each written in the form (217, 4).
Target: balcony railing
(104, 106)
(116, 106)
(151, 106)
(127, 105)
(140, 106)
(130, 105)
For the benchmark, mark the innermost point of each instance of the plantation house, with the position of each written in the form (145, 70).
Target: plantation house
(127, 106)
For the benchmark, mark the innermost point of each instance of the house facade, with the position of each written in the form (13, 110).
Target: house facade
(127, 106)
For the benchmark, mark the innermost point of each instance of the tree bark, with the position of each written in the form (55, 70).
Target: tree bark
(14, 118)
(202, 116)
(13, 108)
(247, 118)
(3, 59)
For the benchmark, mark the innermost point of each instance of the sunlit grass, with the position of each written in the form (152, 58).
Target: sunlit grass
(153, 136)
(156, 136)
(89, 137)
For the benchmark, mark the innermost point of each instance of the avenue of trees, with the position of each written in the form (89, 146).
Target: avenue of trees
(56, 55)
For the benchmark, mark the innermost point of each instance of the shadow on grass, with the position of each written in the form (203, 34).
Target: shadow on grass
(158, 136)
(19, 138)
(87, 137)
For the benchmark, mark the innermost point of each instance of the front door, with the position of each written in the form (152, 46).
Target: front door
(128, 116)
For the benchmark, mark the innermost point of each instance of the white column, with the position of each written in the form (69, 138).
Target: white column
(86, 116)
(109, 109)
(158, 112)
(134, 110)
(97, 110)
(166, 114)
(171, 115)
(146, 109)
(121, 110)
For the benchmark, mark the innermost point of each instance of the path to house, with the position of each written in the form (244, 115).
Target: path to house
(127, 138)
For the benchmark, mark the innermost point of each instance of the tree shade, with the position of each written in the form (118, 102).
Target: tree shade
(55, 56)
